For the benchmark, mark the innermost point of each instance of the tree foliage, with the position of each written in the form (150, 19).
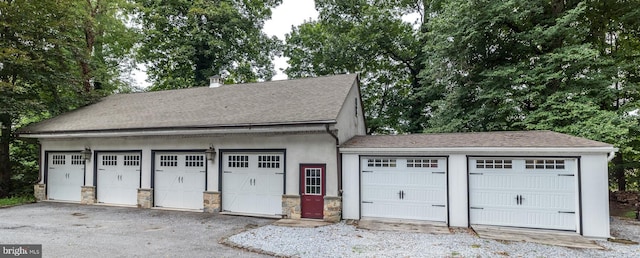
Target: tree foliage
(49, 64)
(567, 66)
(369, 37)
(186, 42)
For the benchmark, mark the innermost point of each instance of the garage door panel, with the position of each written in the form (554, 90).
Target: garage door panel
(531, 218)
(180, 179)
(404, 188)
(118, 177)
(523, 192)
(253, 183)
(413, 211)
(65, 176)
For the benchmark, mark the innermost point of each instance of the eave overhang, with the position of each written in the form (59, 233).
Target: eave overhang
(290, 127)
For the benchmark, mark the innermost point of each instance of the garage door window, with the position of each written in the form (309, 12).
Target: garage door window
(422, 163)
(77, 160)
(132, 160)
(544, 164)
(109, 160)
(194, 161)
(238, 161)
(494, 164)
(268, 161)
(381, 163)
(168, 160)
(58, 160)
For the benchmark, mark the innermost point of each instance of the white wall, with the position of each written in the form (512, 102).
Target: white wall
(458, 203)
(300, 148)
(351, 186)
(595, 195)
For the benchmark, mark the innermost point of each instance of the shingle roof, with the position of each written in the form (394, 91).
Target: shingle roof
(484, 139)
(274, 102)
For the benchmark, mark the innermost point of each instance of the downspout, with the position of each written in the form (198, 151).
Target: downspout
(611, 155)
(338, 158)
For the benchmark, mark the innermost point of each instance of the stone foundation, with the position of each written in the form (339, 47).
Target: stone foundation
(145, 198)
(88, 194)
(332, 208)
(291, 206)
(40, 192)
(211, 202)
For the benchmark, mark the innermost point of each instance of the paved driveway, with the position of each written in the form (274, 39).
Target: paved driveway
(73, 230)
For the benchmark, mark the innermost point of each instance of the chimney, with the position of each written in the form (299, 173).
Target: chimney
(215, 81)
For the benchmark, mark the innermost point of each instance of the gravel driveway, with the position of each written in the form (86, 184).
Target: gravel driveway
(73, 230)
(342, 240)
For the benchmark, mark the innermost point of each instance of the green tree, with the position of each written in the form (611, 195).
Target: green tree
(185, 42)
(44, 50)
(568, 66)
(369, 37)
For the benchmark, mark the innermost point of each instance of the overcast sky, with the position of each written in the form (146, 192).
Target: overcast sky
(289, 13)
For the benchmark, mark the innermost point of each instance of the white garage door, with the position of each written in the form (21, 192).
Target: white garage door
(65, 176)
(523, 192)
(404, 188)
(118, 178)
(253, 183)
(179, 180)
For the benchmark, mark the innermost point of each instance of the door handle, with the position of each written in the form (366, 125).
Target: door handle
(518, 199)
(403, 194)
(400, 195)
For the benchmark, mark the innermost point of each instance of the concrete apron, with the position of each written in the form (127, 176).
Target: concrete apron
(301, 223)
(547, 237)
(412, 226)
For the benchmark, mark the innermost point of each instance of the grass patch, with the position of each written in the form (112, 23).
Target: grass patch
(630, 214)
(17, 200)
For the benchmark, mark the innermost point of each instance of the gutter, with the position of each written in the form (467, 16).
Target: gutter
(611, 155)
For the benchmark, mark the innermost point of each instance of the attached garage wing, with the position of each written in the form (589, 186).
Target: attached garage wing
(65, 176)
(404, 188)
(253, 183)
(524, 192)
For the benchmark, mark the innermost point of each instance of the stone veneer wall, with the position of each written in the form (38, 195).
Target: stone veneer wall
(145, 198)
(291, 206)
(88, 194)
(332, 208)
(211, 202)
(40, 192)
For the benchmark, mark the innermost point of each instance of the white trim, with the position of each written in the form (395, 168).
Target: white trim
(478, 150)
(235, 130)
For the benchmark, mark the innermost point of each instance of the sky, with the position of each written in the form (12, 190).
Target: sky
(289, 13)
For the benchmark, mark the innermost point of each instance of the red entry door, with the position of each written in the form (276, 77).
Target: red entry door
(312, 190)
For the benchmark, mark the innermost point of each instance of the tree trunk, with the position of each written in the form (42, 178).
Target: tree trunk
(618, 172)
(5, 166)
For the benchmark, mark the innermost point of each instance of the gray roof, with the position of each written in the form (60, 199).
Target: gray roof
(275, 102)
(484, 139)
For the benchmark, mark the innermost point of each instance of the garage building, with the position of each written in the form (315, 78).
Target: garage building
(298, 149)
(530, 179)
